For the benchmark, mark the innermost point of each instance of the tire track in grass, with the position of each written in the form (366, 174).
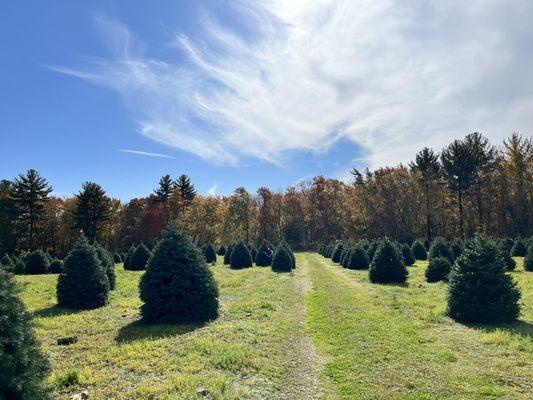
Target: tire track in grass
(381, 348)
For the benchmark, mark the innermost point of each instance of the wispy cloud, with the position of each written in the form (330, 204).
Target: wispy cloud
(390, 76)
(213, 189)
(145, 153)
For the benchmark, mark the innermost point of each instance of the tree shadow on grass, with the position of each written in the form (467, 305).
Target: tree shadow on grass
(138, 330)
(518, 328)
(54, 311)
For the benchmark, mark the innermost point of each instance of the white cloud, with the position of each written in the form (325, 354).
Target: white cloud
(144, 153)
(213, 189)
(391, 76)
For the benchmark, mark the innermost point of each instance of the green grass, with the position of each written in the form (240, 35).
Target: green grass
(388, 341)
(373, 341)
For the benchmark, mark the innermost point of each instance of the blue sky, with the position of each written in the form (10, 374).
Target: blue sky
(252, 93)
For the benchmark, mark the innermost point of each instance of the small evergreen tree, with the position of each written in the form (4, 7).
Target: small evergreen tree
(372, 247)
(505, 253)
(7, 263)
(221, 250)
(508, 243)
(264, 255)
(519, 248)
(336, 256)
(240, 257)
(479, 290)
(344, 256)
(37, 263)
(178, 286)
(418, 250)
(23, 366)
(227, 255)
(456, 249)
(253, 253)
(407, 255)
(55, 267)
(438, 269)
(107, 264)
(282, 261)
(117, 258)
(358, 258)
(139, 258)
(127, 258)
(210, 254)
(291, 254)
(20, 267)
(440, 249)
(83, 284)
(528, 260)
(387, 266)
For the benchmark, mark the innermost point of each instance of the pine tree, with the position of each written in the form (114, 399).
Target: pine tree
(358, 258)
(31, 192)
(227, 255)
(221, 250)
(456, 249)
(178, 286)
(7, 263)
(253, 253)
(36, 263)
(210, 254)
(56, 267)
(440, 249)
(528, 260)
(20, 267)
(387, 266)
(291, 253)
(479, 290)
(92, 209)
(127, 257)
(23, 366)
(240, 257)
(372, 248)
(336, 256)
(166, 186)
(505, 253)
(419, 251)
(281, 261)
(407, 254)
(107, 264)
(139, 258)
(438, 269)
(186, 189)
(264, 255)
(519, 248)
(83, 284)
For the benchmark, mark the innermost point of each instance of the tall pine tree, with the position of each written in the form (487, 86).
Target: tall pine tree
(186, 188)
(92, 208)
(166, 186)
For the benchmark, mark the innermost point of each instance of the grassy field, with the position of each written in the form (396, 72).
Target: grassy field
(323, 332)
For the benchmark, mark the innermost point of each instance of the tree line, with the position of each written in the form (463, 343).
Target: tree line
(471, 186)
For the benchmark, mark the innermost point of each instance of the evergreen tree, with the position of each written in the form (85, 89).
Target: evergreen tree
(336, 256)
(407, 254)
(439, 248)
(186, 189)
(458, 163)
(7, 263)
(178, 286)
(221, 250)
(139, 258)
(419, 251)
(281, 261)
(31, 192)
(387, 266)
(240, 257)
(528, 260)
(358, 258)
(372, 247)
(127, 257)
(117, 258)
(23, 366)
(264, 255)
(427, 165)
(36, 263)
(92, 208)
(479, 290)
(83, 283)
(227, 255)
(20, 267)
(166, 186)
(505, 253)
(210, 254)
(508, 243)
(291, 253)
(56, 267)
(456, 249)
(438, 269)
(519, 248)
(107, 264)
(253, 253)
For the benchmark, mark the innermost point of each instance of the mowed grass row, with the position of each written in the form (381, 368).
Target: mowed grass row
(255, 349)
(395, 342)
